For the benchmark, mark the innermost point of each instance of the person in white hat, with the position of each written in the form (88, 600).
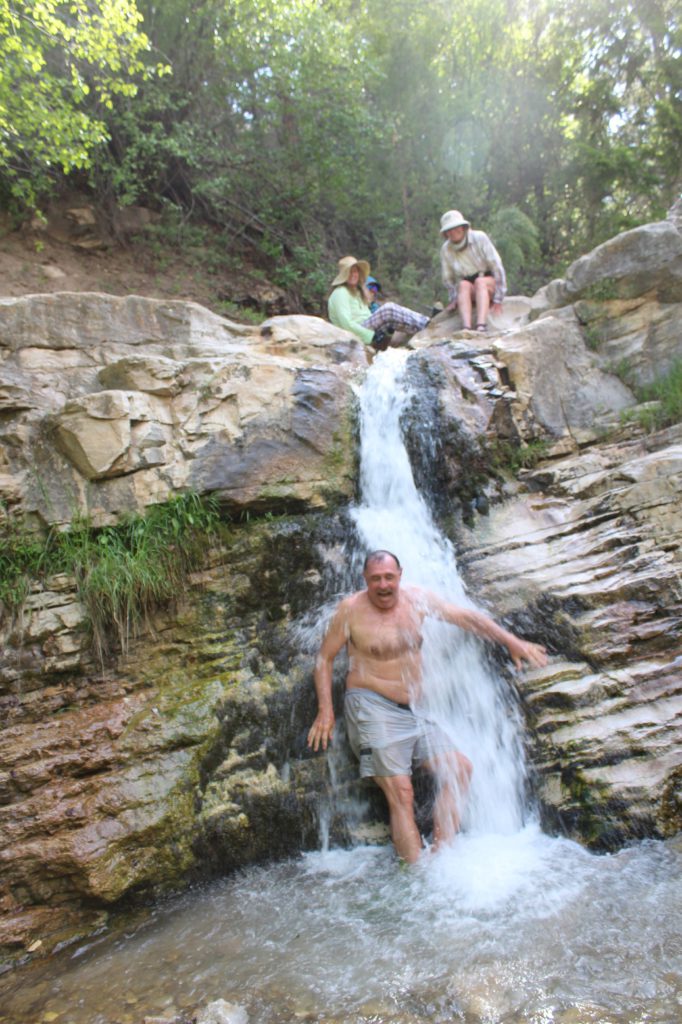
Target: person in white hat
(349, 307)
(472, 271)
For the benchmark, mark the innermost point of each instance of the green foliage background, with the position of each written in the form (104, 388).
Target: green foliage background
(300, 131)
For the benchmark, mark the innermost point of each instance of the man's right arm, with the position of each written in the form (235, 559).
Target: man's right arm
(322, 729)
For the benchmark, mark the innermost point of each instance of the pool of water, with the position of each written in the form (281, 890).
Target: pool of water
(499, 928)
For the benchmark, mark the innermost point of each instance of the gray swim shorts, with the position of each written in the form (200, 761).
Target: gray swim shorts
(387, 737)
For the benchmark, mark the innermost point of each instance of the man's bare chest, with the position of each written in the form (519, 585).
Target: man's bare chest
(385, 637)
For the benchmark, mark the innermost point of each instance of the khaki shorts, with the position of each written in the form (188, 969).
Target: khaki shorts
(387, 737)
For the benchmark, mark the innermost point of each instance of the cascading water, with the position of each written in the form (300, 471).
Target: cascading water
(460, 689)
(508, 926)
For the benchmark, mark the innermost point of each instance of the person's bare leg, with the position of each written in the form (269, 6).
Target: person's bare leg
(484, 288)
(465, 294)
(399, 339)
(404, 832)
(452, 772)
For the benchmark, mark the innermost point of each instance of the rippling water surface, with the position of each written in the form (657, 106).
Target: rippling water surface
(500, 928)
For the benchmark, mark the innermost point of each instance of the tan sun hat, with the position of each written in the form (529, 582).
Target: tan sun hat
(453, 219)
(346, 264)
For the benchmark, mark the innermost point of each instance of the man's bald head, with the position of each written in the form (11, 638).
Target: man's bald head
(380, 556)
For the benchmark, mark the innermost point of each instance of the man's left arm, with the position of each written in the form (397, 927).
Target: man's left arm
(520, 651)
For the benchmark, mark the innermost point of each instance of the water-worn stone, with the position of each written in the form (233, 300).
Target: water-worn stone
(514, 313)
(222, 1012)
(557, 381)
(114, 404)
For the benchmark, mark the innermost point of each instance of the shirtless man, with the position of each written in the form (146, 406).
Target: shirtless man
(382, 629)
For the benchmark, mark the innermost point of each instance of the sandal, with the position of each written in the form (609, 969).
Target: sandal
(482, 328)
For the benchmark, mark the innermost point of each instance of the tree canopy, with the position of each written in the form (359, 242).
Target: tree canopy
(306, 129)
(61, 64)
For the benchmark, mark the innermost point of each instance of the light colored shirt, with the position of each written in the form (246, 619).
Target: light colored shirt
(478, 255)
(348, 310)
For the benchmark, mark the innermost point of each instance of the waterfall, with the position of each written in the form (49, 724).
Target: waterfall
(506, 926)
(462, 691)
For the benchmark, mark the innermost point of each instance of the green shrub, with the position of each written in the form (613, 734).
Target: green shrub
(666, 393)
(593, 337)
(604, 290)
(413, 287)
(625, 372)
(517, 240)
(512, 457)
(243, 314)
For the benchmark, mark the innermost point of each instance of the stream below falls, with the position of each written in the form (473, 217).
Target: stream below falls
(499, 928)
(507, 925)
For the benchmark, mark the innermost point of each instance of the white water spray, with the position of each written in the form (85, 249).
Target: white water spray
(461, 691)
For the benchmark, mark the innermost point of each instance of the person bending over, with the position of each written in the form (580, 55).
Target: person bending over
(472, 271)
(382, 629)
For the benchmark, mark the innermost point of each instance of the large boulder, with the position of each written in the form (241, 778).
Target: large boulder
(633, 263)
(559, 387)
(645, 259)
(111, 404)
(627, 294)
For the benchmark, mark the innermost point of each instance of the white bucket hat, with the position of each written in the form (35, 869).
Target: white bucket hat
(453, 219)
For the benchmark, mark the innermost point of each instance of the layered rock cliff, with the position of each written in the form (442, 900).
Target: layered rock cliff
(186, 755)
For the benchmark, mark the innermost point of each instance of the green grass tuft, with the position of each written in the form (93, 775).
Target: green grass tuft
(667, 390)
(514, 457)
(665, 394)
(123, 572)
(23, 557)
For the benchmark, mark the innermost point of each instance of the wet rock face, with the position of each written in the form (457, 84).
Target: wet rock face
(178, 761)
(455, 392)
(589, 562)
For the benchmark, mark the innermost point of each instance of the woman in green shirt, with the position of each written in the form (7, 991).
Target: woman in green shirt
(348, 307)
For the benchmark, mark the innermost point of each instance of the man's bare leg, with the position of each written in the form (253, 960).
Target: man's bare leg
(404, 832)
(484, 288)
(465, 298)
(452, 772)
